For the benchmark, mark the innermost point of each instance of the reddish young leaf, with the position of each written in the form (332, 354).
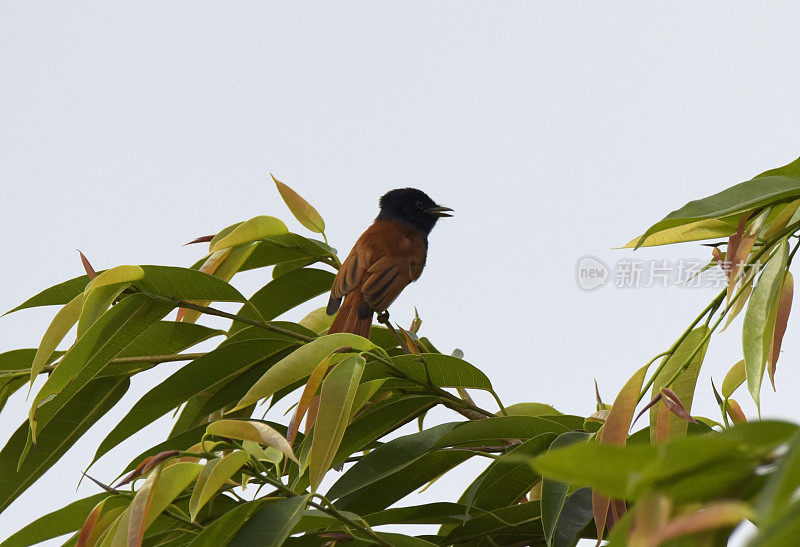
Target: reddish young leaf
(735, 412)
(716, 393)
(648, 407)
(147, 464)
(674, 405)
(313, 407)
(412, 346)
(713, 515)
(662, 424)
(89, 524)
(615, 431)
(311, 389)
(201, 239)
(781, 320)
(87, 266)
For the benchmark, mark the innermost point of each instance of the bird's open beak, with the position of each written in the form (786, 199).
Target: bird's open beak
(440, 211)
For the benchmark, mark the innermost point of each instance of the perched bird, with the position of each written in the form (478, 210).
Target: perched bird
(389, 255)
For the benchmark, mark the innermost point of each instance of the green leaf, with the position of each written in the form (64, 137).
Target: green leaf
(272, 523)
(251, 430)
(403, 479)
(429, 513)
(379, 420)
(692, 231)
(531, 409)
(509, 477)
(103, 290)
(187, 284)
(86, 358)
(742, 197)
(759, 320)
(214, 368)
(781, 486)
(285, 293)
(64, 320)
(554, 493)
(57, 295)
(684, 385)
(515, 525)
(161, 338)
(249, 231)
(336, 400)
(285, 248)
(443, 370)
(300, 208)
(214, 475)
(62, 521)
(222, 530)
(735, 377)
(790, 169)
(494, 431)
(56, 437)
(300, 364)
(784, 530)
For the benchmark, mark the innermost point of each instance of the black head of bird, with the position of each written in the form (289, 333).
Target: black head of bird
(413, 207)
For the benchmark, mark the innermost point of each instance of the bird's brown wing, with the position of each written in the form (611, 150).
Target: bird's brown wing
(384, 260)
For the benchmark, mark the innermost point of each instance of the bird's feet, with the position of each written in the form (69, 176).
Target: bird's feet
(383, 317)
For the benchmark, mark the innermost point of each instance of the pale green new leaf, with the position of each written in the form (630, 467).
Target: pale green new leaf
(759, 319)
(64, 320)
(252, 230)
(251, 430)
(336, 401)
(300, 363)
(300, 208)
(213, 476)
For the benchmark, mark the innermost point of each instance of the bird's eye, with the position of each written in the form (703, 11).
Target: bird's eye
(420, 205)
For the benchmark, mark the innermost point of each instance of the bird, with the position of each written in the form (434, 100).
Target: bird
(389, 255)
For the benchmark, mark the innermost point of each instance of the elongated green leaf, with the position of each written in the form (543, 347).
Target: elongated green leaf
(214, 368)
(213, 476)
(494, 431)
(516, 525)
(62, 521)
(96, 302)
(251, 230)
(336, 399)
(300, 364)
(64, 320)
(554, 493)
(443, 370)
(783, 531)
(779, 491)
(103, 290)
(531, 409)
(102, 342)
(300, 208)
(187, 284)
(251, 430)
(510, 477)
(742, 197)
(381, 420)
(283, 249)
(402, 480)
(55, 438)
(735, 377)
(272, 523)
(57, 295)
(285, 293)
(385, 460)
(759, 319)
(223, 530)
(684, 385)
(692, 231)
(429, 513)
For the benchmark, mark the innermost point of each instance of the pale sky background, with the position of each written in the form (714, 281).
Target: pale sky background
(555, 130)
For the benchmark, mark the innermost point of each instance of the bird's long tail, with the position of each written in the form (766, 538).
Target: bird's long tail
(349, 319)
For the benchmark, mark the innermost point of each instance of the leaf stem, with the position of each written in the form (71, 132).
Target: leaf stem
(145, 359)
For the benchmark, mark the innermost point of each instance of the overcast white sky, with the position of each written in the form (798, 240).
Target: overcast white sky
(555, 130)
